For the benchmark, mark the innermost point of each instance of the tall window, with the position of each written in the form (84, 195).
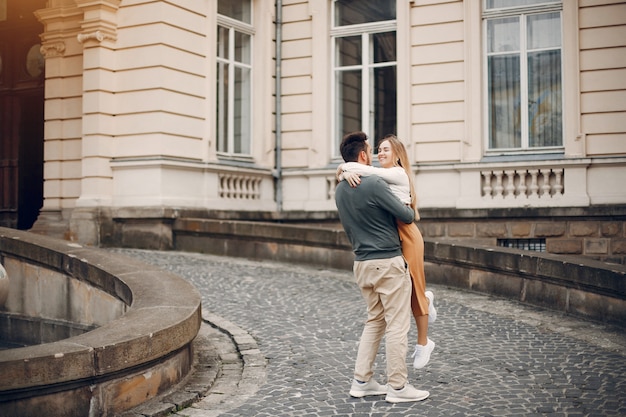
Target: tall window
(234, 70)
(365, 76)
(524, 85)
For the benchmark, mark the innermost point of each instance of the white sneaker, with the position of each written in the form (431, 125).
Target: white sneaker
(422, 354)
(406, 394)
(432, 311)
(362, 389)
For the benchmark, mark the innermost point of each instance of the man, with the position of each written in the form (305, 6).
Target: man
(368, 214)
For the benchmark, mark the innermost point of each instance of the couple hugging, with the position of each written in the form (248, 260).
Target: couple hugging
(377, 208)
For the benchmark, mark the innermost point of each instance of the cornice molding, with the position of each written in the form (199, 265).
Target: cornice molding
(59, 23)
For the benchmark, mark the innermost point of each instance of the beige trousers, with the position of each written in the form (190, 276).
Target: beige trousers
(386, 287)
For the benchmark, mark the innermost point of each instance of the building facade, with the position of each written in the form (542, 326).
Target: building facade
(513, 113)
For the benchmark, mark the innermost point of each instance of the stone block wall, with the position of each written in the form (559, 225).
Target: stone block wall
(571, 284)
(597, 233)
(594, 233)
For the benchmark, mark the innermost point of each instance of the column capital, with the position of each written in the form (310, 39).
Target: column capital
(99, 20)
(51, 49)
(60, 23)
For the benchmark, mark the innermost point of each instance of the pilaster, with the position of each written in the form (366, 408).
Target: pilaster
(63, 119)
(98, 34)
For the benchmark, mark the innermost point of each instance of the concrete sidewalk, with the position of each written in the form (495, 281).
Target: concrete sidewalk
(280, 340)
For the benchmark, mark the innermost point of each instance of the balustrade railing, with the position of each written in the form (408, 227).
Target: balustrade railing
(522, 183)
(238, 186)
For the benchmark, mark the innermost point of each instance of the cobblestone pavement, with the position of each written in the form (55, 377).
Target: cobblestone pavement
(493, 357)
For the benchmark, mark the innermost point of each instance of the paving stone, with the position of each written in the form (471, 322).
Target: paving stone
(181, 399)
(299, 328)
(155, 409)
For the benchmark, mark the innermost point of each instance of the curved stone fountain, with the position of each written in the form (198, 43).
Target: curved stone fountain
(103, 333)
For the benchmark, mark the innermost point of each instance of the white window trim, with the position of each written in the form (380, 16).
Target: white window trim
(473, 144)
(237, 24)
(364, 30)
(233, 25)
(515, 10)
(566, 92)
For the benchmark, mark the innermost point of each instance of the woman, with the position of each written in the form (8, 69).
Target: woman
(396, 171)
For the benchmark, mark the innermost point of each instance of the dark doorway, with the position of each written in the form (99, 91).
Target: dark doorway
(21, 113)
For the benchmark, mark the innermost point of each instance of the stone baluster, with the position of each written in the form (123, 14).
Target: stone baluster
(246, 192)
(487, 187)
(510, 183)
(534, 187)
(252, 188)
(239, 188)
(521, 189)
(330, 186)
(545, 187)
(243, 186)
(498, 187)
(229, 186)
(558, 182)
(221, 186)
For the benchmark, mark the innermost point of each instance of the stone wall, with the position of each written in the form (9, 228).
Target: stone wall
(570, 284)
(595, 233)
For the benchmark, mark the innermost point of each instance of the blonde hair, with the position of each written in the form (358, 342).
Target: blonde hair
(401, 159)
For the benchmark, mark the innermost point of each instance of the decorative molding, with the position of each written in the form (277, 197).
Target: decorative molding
(99, 20)
(98, 36)
(60, 24)
(52, 49)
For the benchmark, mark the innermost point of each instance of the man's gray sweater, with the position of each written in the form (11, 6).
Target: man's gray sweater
(368, 214)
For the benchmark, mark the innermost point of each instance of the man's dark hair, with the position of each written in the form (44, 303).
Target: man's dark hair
(351, 146)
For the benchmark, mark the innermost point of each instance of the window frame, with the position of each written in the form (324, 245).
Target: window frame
(232, 26)
(365, 31)
(522, 12)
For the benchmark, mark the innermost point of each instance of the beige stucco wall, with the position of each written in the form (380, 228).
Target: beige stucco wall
(437, 81)
(603, 76)
(130, 108)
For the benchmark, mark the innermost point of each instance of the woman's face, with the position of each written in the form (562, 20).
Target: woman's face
(385, 154)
